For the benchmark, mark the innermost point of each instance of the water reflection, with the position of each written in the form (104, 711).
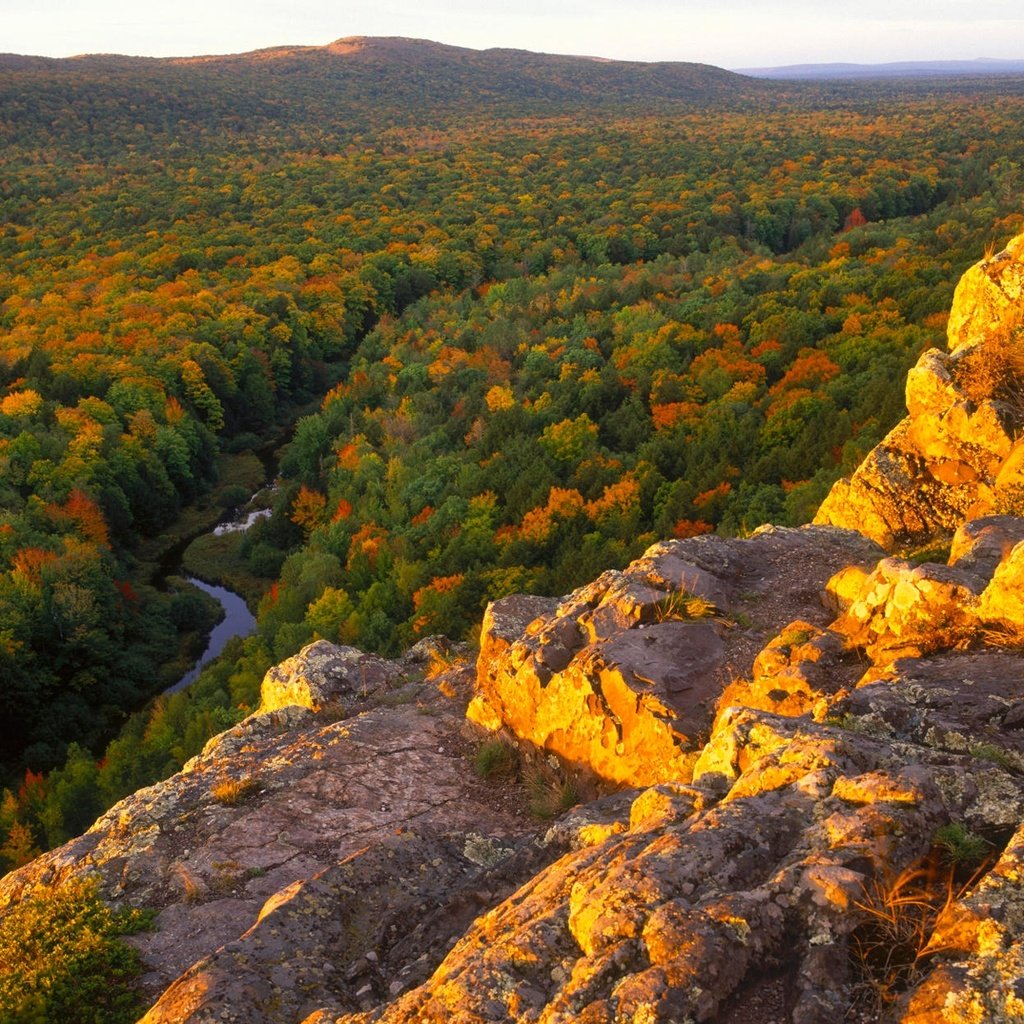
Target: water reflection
(237, 621)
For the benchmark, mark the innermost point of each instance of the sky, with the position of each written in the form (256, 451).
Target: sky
(728, 33)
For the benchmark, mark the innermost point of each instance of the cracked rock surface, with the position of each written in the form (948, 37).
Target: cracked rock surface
(357, 809)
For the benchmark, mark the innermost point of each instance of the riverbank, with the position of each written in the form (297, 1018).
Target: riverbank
(237, 621)
(217, 558)
(238, 474)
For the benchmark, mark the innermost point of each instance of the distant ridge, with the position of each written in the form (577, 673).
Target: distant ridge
(353, 76)
(897, 69)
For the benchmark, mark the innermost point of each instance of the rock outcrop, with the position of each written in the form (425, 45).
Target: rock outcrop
(751, 892)
(257, 854)
(621, 678)
(957, 455)
(324, 675)
(806, 758)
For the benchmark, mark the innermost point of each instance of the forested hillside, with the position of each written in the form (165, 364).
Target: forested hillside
(555, 318)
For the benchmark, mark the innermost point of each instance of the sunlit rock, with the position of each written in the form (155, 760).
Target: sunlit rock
(324, 674)
(988, 298)
(622, 677)
(956, 456)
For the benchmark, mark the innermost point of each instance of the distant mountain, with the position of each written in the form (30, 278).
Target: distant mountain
(897, 69)
(395, 72)
(353, 86)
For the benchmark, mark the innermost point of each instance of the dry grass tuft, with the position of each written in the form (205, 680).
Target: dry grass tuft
(192, 888)
(1004, 637)
(995, 371)
(900, 915)
(888, 949)
(549, 789)
(680, 606)
(442, 661)
(231, 792)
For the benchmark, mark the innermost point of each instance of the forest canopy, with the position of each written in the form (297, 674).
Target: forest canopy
(545, 323)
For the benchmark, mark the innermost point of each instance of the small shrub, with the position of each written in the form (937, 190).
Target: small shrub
(549, 791)
(797, 637)
(896, 936)
(62, 960)
(494, 759)
(960, 847)
(229, 875)
(231, 792)
(997, 755)
(936, 552)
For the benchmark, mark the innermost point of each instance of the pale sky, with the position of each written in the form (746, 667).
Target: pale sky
(729, 33)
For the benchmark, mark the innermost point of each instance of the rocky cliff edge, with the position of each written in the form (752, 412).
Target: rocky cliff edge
(799, 760)
(958, 454)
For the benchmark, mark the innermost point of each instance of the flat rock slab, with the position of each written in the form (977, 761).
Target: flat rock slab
(273, 802)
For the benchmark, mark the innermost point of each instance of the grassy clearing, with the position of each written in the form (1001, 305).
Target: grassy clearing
(219, 560)
(236, 472)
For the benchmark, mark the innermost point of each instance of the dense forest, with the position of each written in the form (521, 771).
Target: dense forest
(545, 322)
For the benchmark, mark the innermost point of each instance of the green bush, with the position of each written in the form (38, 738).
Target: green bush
(494, 759)
(62, 961)
(961, 847)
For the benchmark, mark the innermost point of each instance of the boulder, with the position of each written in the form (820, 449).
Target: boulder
(622, 677)
(988, 298)
(678, 915)
(1002, 602)
(981, 544)
(903, 609)
(325, 675)
(799, 673)
(931, 389)
(287, 861)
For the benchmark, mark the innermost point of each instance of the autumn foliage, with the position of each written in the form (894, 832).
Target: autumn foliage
(523, 339)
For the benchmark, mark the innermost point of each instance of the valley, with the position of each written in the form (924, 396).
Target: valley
(520, 320)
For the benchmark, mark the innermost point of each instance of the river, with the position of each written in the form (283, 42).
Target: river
(237, 621)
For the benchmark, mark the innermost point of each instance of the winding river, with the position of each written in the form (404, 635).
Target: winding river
(237, 621)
